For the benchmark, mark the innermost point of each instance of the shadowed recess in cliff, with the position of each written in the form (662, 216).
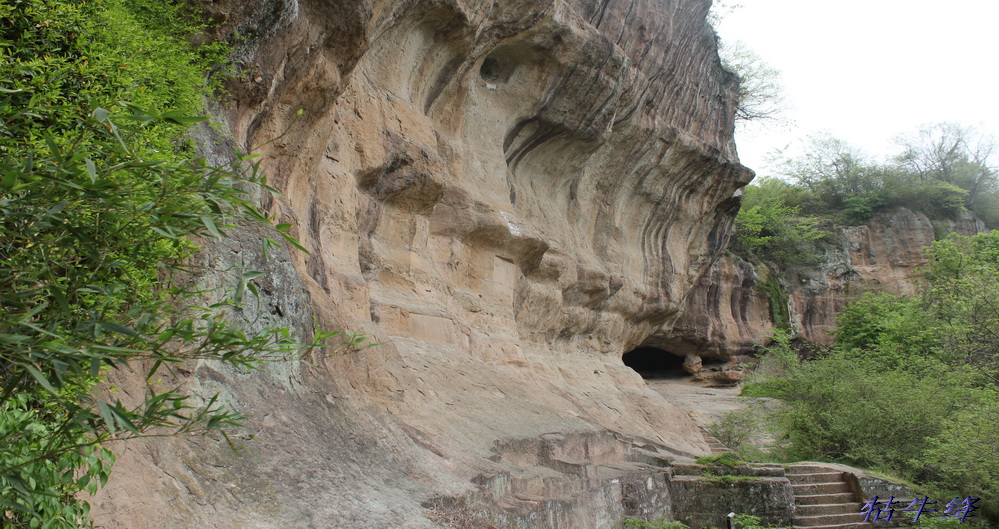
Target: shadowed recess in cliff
(651, 362)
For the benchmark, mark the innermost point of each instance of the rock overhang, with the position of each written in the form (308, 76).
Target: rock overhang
(507, 196)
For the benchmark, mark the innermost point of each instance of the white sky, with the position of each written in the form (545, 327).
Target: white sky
(868, 70)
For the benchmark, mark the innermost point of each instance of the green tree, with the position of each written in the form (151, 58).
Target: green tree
(761, 96)
(954, 154)
(840, 177)
(966, 452)
(845, 407)
(941, 177)
(963, 295)
(897, 332)
(912, 383)
(101, 202)
(767, 229)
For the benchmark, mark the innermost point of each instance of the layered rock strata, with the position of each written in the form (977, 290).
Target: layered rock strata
(729, 313)
(507, 196)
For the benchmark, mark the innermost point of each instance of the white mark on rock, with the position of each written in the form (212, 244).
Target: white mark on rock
(514, 230)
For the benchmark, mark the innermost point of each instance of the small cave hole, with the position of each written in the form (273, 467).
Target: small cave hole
(490, 70)
(653, 363)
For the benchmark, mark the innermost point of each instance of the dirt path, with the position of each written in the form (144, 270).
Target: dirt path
(706, 403)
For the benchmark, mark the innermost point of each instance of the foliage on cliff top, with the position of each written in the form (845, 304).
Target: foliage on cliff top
(101, 200)
(767, 229)
(941, 171)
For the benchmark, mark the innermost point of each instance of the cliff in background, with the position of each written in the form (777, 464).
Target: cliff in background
(729, 312)
(507, 196)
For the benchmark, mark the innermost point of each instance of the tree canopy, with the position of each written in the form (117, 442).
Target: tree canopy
(941, 171)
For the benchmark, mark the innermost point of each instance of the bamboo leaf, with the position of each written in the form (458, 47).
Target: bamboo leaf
(91, 170)
(40, 378)
(210, 225)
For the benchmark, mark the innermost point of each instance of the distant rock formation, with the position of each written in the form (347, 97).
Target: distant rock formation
(508, 196)
(728, 315)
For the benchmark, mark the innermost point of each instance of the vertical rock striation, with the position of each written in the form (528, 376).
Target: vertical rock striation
(507, 196)
(728, 313)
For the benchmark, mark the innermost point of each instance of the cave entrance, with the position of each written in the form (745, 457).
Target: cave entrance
(653, 363)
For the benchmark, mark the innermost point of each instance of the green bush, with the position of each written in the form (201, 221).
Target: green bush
(767, 229)
(858, 208)
(961, 294)
(935, 198)
(101, 202)
(966, 452)
(896, 332)
(844, 408)
(943, 172)
(727, 460)
(741, 431)
(912, 386)
(749, 521)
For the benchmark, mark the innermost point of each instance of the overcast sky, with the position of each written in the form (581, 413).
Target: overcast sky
(868, 70)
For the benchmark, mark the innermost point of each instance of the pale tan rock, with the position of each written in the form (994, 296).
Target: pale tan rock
(727, 314)
(883, 256)
(692, 364)
(507, 196)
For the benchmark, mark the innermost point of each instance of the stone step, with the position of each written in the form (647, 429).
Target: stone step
(838, 526)
(827, 508)
(815, 477)
(816, 499)
(823, 500)
(713, 443)
(807, 468)
(809, 489)
(829, 519)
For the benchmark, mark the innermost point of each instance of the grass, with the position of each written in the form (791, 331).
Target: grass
(727, 459)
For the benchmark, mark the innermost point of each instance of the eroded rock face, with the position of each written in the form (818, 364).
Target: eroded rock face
(507, 196)
(727, 314)
(724, 315)
(884, 256)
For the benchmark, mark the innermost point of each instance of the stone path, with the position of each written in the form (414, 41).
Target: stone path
(706, 403)
(823, 499)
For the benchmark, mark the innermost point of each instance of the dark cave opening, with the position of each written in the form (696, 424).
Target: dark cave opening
(651, 362)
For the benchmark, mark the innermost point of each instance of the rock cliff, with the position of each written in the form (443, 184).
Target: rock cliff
(728, 313)
(507, 196)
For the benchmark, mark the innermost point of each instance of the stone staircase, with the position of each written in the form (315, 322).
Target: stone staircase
(714, 444)
(823, 500)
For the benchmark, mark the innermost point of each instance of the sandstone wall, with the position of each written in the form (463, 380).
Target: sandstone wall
(507, 196)
(885, 255)
(727, 314)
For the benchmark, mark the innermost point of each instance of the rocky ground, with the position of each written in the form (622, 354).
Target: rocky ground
(705, 402)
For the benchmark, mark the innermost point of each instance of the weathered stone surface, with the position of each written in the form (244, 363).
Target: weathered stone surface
(885, 255)
(865, 487)
(727, 314)
(703, 503)
(702, 496)
(692, 364)
(507, 196)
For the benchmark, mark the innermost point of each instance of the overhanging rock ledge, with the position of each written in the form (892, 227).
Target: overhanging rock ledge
(507, 196)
